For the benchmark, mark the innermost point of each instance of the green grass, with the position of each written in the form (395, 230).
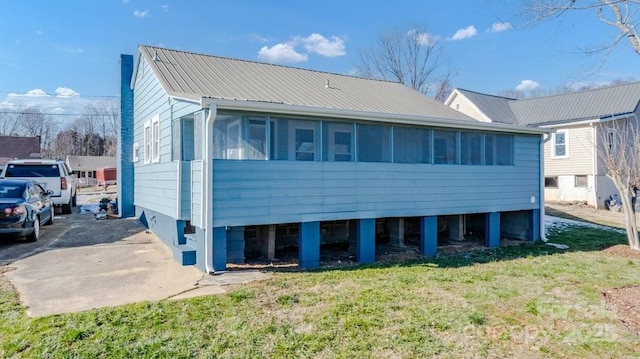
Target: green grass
(526, 301)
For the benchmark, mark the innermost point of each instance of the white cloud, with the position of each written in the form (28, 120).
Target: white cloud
(140, 13)
(165, 7)
(500, 27)
(125, 1)
(316, 43)
(39, 32)
(281, 53)
(66, 92)
(30, 93)
(527, 85)
(467, 32)
(424, 38)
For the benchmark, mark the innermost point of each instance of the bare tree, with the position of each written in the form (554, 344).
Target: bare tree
(410, 56)
(620, 14)
(8, 124)
(34, 123)
(619, 152)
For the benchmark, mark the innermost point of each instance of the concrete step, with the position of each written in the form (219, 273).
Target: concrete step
(184, 254)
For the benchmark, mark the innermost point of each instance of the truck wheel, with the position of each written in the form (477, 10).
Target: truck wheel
(73, 200)
(66, 208)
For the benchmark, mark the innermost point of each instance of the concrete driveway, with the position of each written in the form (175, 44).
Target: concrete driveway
(81, 263)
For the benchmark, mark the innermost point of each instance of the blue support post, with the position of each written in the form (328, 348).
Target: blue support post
(219, 249)
(429, 236)
(309, 245)
(125, 173)
(366, 240)
(534, 225)
(492, 230)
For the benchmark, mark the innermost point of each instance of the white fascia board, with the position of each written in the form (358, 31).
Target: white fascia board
(373, 116)
(588, 122)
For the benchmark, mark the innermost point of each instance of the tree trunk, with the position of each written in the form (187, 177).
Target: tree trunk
(629, 213)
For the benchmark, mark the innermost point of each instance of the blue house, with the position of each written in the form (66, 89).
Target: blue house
(227, 160)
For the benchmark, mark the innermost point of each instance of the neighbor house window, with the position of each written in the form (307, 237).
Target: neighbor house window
(611, 140)
(560, 144)
(551, 182)
(155, 134)
(581, 181)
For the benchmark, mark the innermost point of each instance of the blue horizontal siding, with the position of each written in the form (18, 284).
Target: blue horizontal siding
(263, 192)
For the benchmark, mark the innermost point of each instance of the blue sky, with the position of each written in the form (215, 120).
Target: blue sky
(63, 54)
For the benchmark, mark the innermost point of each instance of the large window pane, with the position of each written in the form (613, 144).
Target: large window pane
(411, 145)
(256, 141)
(373, 143)
(445, 145)
(471, 148)
(498, 150)
(505, 150)
(337, 141)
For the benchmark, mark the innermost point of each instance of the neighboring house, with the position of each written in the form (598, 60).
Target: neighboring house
(85, 168)
(227, 160)
(581, 125)
(15, 147)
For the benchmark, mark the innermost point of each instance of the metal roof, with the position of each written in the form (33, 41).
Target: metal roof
(586, 105)
(559, 109)
(194, 76)
(90, 163)
(495, 107)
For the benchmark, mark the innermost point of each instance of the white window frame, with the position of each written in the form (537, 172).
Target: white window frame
(147, 142)
(612, 135)
(155, 134)
(566, 144)
(136, 152)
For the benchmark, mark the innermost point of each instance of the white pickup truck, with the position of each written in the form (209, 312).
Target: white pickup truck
(53, 175)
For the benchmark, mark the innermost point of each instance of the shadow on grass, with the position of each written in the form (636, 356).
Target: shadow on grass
(578, 238)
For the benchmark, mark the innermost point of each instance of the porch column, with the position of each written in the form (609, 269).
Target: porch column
(269, 243)
(366, 240)
(534, 225)
(492, 230)
(429, 236)
(456, 228)
(219, 249)
(235, 245)
(309, 245)
(396, 231)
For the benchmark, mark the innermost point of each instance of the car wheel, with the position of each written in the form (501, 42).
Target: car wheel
(52, 212)
(36, 231)
(66, 208)
(73, 200)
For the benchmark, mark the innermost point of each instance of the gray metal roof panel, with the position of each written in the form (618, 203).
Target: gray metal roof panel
(194, 76)
(495, 107)
(577, 106)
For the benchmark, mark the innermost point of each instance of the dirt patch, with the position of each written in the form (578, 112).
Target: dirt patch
(625, 301)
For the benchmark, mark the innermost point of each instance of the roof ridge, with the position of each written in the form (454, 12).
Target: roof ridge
(604, 88)
(485, 94)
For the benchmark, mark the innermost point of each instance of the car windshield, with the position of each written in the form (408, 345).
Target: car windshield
(17, 170)
(11, 191)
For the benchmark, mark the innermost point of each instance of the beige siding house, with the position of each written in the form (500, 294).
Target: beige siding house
(579, 125)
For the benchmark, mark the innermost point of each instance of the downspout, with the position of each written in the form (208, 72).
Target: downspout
(207, 181)
(545, 139)
(594, 157)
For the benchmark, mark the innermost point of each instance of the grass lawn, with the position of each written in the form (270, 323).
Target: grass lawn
(529, 301)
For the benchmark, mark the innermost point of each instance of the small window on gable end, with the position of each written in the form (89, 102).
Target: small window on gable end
(551, 182)
(136, 152)
(581, 181)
